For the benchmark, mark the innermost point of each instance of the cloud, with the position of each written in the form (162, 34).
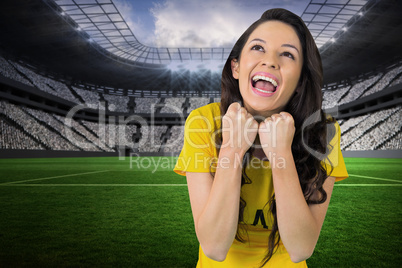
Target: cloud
(208, 23)
(136, 19)
(193, 23)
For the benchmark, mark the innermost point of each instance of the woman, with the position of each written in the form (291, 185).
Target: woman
(258, 191)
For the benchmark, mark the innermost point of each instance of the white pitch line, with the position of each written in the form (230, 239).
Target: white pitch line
(161, 185)
(374, 178)
(374, 185)
(55, 177)
(93, 185)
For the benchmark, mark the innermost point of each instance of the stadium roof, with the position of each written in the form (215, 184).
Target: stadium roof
(368, 41)
(91, 42)
(104, 24)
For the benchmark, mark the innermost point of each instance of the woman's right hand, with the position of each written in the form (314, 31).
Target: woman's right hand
(239, 129)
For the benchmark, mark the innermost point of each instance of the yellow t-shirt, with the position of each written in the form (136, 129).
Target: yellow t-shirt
(199, 149)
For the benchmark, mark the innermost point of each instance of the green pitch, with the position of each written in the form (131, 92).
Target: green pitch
(106, 212)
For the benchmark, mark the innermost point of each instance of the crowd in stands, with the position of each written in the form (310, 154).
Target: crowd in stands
(33, 128)
(369, 132)
(366, 87)
(113, 135)
(394, 143)
(13, 138)
(175, 141)
(173, 105)
(80, 128)
(28, 128)
(384, 81)
(358, 89)
(117, 103)
(372, 140)
(144, 105)
(331, 98)
(58, 126)
(197, 102)
(396, 81)
(7, 70)
(151, 138)
(47, 84)
(90, 98)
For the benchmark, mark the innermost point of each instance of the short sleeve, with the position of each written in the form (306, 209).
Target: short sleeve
(336, 164)
(198, 150)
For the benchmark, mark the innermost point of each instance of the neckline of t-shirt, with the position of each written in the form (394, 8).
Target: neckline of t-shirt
(262, 160)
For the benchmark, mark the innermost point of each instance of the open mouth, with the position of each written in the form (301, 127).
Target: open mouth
(264, 84)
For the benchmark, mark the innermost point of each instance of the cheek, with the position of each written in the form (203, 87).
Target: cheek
(293, 78)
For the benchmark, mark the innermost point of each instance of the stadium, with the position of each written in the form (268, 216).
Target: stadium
(92, 122)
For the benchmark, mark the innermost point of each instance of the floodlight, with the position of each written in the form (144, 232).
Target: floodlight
(175, 66)
(193, 66)
(214, 66)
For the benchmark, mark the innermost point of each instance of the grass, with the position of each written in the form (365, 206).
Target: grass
(85, 212)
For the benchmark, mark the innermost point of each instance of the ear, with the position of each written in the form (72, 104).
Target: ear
(235, 68)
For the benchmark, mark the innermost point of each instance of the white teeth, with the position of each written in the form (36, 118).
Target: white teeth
(260, 77)
(264, 91)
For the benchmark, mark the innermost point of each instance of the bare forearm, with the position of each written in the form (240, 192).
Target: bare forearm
(217, 225)
(297, 227)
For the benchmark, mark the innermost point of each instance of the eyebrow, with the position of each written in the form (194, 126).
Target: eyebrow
(258, 40)
(284, 45)
(291, 46)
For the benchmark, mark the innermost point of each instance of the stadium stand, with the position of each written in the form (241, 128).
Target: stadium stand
(39, 130)
(394, 143)
(36, 129)
(43, 134)
(175, 141)
(173, 105)
(75, 125)
(144, 105)
(385, 81)
(117, 103)
(362, 88)
(357, 90)
(7, 70)
(12, 137)
(196, 103)
(371, 130)
(90, 98)
(62, 130)
(33, 120)
(331, 98)
(47, 84)
(151, 139)
(396, 81)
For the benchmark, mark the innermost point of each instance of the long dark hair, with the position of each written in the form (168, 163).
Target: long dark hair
(304, 104)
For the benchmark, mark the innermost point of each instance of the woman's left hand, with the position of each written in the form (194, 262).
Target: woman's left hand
(276, 134)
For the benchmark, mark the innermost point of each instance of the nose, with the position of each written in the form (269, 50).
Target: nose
(270, 61)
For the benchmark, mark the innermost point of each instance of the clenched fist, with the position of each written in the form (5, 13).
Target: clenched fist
(276, 134)
(239, 129)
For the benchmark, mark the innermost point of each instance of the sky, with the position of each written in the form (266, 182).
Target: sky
(196, 23)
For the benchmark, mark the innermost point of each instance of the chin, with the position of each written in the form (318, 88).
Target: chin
(259, 109)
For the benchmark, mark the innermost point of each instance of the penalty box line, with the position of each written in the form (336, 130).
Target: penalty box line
(374, 178)
(54, 177)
